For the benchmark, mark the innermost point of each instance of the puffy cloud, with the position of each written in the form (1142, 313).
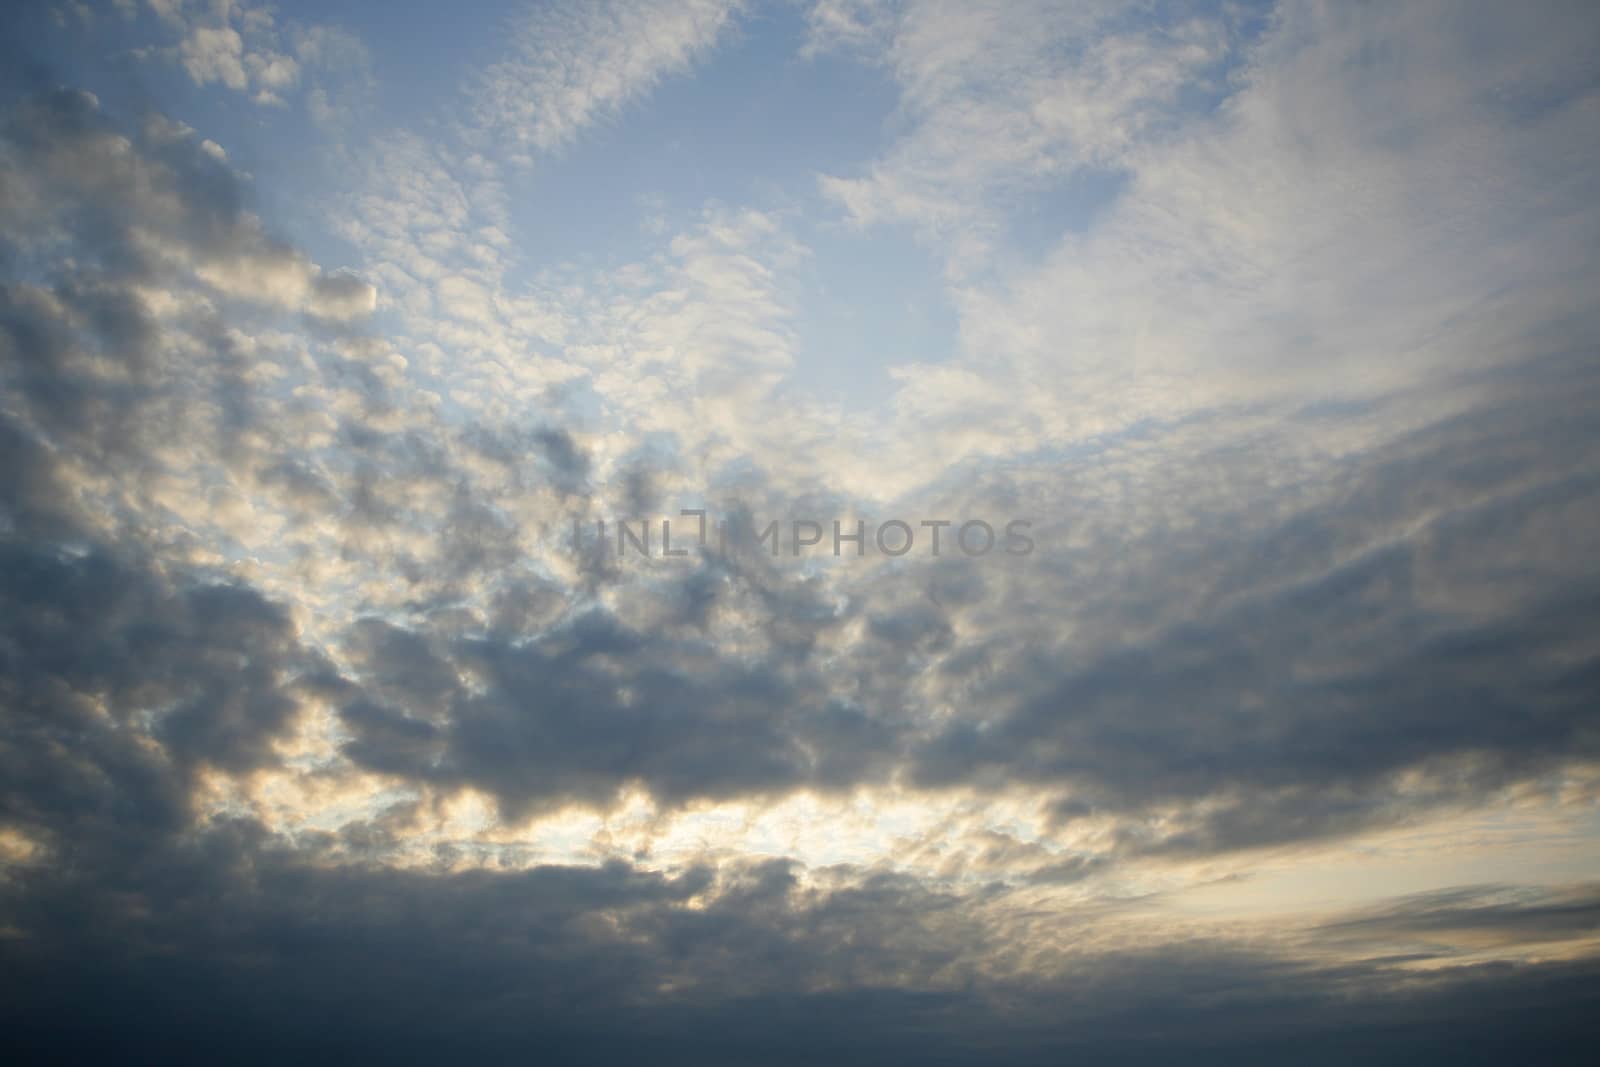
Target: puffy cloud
(243, 47)
(169, 204)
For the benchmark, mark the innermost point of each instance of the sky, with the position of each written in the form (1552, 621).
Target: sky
(804, 532)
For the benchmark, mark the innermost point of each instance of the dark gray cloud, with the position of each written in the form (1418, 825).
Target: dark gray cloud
(231, 944)
(589, 707)
(1420, 612)
(100, 652)
(1478, 916)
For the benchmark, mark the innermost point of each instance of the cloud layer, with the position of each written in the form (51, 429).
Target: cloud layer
(318, 733)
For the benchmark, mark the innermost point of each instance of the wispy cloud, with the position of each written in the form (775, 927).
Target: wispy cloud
(570, 68)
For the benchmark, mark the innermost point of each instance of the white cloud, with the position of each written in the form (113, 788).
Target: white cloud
(573, 66)
(210, 54)
(217, 53)
(1314, 238)
(241, 46)
(1006, 99)
(841, 25)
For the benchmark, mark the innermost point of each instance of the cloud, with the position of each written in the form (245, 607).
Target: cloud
(838, 25)
(1279, 230)
(1092, 722)
(593, 963)
(1473, 918)
(168, 205)
(214, 50)
(1001, 100)
(946, 682)
(571, 69)
(316, 733)
(243, 47)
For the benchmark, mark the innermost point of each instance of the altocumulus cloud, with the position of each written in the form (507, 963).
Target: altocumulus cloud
(318, 738)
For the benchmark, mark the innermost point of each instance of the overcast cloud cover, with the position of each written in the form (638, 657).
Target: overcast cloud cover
(321, 325)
